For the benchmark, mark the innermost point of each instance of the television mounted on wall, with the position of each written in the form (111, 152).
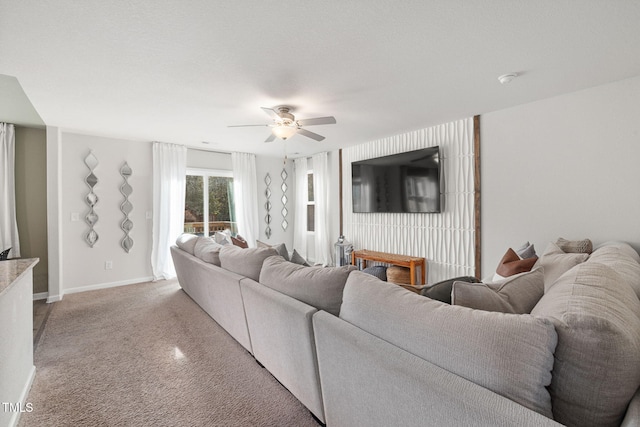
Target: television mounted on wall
(406, 182)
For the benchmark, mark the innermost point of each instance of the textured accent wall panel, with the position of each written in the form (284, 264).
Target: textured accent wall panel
(446, 239)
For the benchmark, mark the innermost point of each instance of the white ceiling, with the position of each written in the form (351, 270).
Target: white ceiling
(182, 71)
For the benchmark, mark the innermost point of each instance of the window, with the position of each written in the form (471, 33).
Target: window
(311, 205)
(209, 194)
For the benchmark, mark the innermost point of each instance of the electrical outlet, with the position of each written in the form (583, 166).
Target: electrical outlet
(108, 265)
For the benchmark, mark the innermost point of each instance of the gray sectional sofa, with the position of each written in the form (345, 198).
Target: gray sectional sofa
(357, 351)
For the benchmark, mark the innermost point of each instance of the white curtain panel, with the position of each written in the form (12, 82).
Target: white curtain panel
(321, 196)
(300, 211)
(169, 180)
(245, 191)
(8, 223)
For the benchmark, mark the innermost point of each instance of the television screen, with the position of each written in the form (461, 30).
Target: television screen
(400, 183)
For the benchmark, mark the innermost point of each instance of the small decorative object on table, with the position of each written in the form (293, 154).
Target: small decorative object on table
(399, 275)
(343, 251)
(4, 255)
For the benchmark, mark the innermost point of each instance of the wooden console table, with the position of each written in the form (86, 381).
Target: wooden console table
(400, 260)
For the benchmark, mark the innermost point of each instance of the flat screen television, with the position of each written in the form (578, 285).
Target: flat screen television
(400, 183)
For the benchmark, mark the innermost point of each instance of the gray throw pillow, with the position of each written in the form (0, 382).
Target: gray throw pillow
(281, 248)
(222, 238)
(509, 354)
(556, 262)
(379, 271)
(187, 242)
(517, 294)
(441, 291)
(596, 370)
(299, 259)
(575, 246)
(245, 262)
(207, 250)
(527, 250)
(317, 286)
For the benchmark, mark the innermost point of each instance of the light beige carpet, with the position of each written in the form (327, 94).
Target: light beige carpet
(147, 355)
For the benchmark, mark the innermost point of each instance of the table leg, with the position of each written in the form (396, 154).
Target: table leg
(412, 270)
(423, 272)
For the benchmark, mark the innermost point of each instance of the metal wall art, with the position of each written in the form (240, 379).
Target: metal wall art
(92, 199)
(267, 206)
(126, 207)
(284, 175)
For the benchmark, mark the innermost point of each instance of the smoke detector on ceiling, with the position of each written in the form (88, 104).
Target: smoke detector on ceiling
(506, 78)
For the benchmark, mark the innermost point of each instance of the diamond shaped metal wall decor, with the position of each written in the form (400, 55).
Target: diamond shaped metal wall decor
(91, 199)
(284, 199)
(267, 206)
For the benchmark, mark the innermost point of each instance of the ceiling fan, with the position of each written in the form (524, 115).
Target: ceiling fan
(285, 124)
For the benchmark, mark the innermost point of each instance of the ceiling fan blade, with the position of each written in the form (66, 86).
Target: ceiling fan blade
(311, 135)
(243, 126)
(271, 138)
(271, 113)
(318, 121)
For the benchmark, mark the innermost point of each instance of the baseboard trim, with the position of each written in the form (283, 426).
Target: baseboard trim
(40, 295)
(108, 285)
(54, 298)
(15, 418)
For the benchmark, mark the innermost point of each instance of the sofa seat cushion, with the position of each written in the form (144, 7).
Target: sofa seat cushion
(207, 250)
(244, 261)
(596, 369)
(320, 287)
(510, 354)
(516, 294)
(187, 242)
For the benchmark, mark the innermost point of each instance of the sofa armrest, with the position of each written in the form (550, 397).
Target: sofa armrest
(632, 417)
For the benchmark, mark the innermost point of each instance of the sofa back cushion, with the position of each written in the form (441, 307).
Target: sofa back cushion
(510, 354)
(207, 250)
(244, 261)
(597, 368)
(187, 242)
(320, 287)
(622, 258)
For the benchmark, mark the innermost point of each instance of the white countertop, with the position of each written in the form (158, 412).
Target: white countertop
(12, 270)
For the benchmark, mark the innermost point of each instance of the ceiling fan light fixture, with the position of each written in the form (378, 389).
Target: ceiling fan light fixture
(284, 131)
(506, 78)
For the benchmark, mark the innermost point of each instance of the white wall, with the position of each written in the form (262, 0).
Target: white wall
(562, 167)
(83, 267)
(446, 239)
(204, 159)
(273, 166)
